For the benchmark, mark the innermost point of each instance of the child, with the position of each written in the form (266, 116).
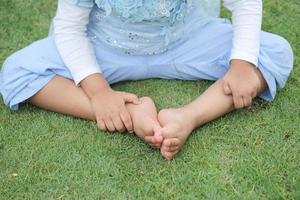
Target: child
(99, 42)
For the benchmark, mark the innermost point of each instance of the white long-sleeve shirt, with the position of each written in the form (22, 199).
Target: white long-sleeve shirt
(70, 25)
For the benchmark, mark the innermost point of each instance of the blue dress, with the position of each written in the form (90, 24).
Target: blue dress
(135, 39)
(145, 27)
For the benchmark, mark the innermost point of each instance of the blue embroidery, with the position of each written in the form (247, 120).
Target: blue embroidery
(145, 26)
(144, 10)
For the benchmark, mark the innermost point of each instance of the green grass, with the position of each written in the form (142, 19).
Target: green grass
(249, 154)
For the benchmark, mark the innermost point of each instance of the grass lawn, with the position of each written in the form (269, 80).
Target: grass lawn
(249, 154)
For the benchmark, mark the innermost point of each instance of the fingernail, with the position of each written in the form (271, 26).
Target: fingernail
(130, 131)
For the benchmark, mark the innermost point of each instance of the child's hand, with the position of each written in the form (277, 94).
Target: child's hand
(242, 82)
(110, 111)
(108, 105)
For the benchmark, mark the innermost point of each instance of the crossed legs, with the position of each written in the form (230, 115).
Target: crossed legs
(167, 130)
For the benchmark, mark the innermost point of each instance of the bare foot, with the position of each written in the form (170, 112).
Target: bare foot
(177, 126)
(145, 122)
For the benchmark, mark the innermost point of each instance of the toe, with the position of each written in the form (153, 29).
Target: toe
(173, 148)
(168, 154)
(172, 142)
(171, 155)
(164, 153)
(170, 149)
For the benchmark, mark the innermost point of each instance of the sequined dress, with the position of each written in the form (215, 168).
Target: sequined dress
(146, 26)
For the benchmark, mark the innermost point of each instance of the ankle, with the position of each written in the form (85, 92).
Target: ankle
(192, 116)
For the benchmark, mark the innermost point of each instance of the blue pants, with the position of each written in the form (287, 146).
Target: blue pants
(205, 55)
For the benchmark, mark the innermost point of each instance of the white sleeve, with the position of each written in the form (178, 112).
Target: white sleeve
(72, 43)
(246, 21)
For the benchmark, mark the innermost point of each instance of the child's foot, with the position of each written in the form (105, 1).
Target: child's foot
(177, 126)
(145, 123)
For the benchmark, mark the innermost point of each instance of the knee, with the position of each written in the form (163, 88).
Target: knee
(8, 61)
(284, 53)
(10, 66)
(275, 62)
(276, 57)
(4, 74)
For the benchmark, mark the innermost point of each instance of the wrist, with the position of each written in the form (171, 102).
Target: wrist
(95, 84)
(239, 62)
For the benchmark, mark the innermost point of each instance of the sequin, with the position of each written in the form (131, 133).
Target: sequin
(145, 26)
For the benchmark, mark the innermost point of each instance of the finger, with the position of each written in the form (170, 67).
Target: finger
(131, 98)
(118, 124)
(126, 119)
(238, 101)
(247, 101)
(101, 125)
(156, 138)
(109, 125)
(153, 145)
(149, 139)
(226, 88)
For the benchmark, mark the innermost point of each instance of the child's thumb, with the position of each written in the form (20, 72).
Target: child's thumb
(226, 88)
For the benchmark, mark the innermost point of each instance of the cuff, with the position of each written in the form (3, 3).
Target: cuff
(245, 56)
(79, 76)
